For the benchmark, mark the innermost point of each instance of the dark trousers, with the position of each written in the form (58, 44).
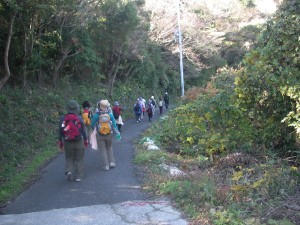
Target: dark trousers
(160, 110)
(119, 127)
(74, 154)
(167, 104)
(150, 115)
(138, 117)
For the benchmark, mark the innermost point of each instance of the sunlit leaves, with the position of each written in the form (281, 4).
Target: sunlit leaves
(263, 86)
(211, 124)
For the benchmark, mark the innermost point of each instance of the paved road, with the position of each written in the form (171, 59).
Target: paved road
(102, 198)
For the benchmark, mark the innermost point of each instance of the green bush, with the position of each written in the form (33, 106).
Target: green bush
(209, 125)
(268, 83)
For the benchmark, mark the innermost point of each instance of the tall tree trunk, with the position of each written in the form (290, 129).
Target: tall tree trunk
(114, 73)
(6, 64)
(27, 51)
(57, 68)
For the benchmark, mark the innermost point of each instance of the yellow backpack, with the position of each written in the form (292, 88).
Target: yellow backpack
(104, 124)
(86, 118)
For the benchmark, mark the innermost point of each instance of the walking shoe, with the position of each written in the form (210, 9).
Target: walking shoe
(69, 175)
(112, 164)
(78, 180)
(106, 168)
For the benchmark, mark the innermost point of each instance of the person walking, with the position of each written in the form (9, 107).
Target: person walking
(87, 116)
(137, 109)
(160, 105)
(142, 103)
(166, 100)
(153, 101)
(72, 139)
(109, 109)
(105, 124)
(150, 109)
(117, 115)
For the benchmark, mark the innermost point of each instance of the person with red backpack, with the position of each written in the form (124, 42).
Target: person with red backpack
(72, 139)
(117, 114)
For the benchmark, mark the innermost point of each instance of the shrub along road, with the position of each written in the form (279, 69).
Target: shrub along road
(102, 197)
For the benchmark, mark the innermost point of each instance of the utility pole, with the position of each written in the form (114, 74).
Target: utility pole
(180, 50)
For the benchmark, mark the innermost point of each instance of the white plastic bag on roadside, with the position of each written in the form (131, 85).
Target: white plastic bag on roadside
(93, 139)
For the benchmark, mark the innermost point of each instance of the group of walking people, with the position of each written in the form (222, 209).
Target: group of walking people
(142, 106)
(79, 128)
(76, 130)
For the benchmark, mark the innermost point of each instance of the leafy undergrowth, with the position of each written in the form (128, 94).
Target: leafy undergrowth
(228, 178)
(235, 189)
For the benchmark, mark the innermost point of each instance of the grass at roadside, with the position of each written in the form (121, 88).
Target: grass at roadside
(238, 189)
(25, 176)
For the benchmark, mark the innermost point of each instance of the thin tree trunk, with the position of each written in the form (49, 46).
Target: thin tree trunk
(112, 82)
(6, 64)
(27, 48)
(61, 61)
(113, 77)
(57, 68)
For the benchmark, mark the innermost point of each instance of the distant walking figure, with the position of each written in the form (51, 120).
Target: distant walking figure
(150, 109)
(137, 109)
(166, 99)
(153, 101)
(160, 105)
(117, 114)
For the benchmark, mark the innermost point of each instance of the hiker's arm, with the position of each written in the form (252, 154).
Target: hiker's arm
(60, 142)
(60, 132)
(115, 128)
(83, 130)
(94, 120)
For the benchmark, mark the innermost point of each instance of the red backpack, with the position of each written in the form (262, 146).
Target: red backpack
(71, 127)
(116, 112)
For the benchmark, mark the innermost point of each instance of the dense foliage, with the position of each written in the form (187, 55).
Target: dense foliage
(85, 41)
(253, 108)
(268, 82)
(227, 136)
(209, 122)
(128, 41)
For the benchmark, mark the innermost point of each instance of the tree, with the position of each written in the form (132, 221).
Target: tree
(268, 83)
(118, 20)
(13, 13)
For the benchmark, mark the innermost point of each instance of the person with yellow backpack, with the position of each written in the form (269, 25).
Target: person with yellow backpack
(87, 116)
(105, 125)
